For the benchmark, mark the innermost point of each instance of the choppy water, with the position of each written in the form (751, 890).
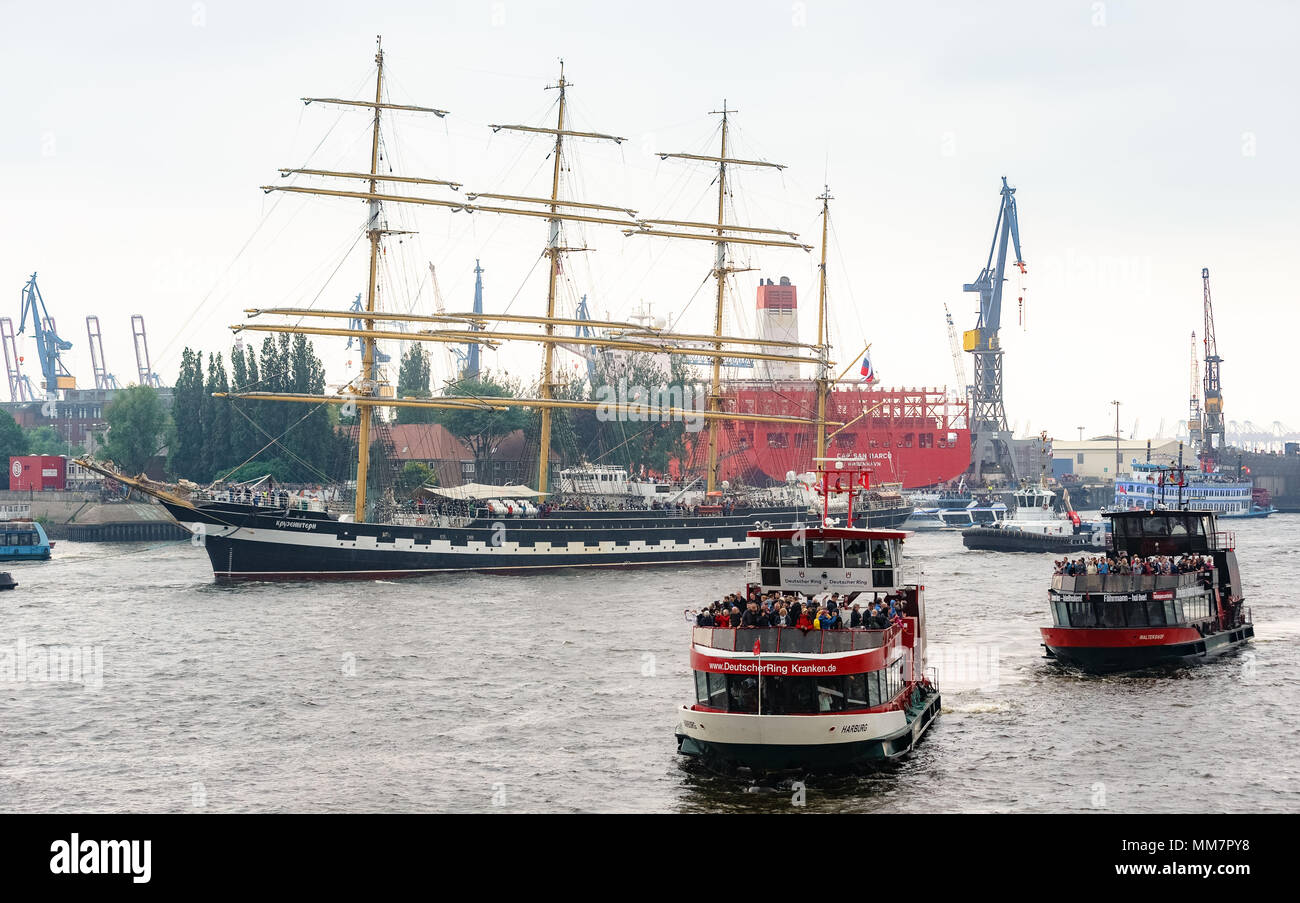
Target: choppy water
(559, 693)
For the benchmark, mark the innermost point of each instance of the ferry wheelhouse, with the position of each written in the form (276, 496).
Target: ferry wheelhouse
(787, 698)
(1118, 622)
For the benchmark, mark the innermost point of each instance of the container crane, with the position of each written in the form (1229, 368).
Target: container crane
(955, 344)
(1213, 425)
(990, 436)
(143, 367)
(1194, 405)
(20, 387)
(49, 346)
(103, 379)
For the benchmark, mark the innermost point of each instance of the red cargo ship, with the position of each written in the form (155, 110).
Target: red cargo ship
(916, 437)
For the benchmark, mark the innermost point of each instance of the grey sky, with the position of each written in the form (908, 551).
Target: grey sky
(1146, 140)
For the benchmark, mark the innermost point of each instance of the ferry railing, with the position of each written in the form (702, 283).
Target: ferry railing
(1123, 583)
(1225, 539)
(791, 639)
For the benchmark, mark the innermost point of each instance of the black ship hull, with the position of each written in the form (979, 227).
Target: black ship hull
(246, 542)
(995, 539)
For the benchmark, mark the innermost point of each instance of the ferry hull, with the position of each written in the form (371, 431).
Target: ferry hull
(722, 755)
(1104, 651)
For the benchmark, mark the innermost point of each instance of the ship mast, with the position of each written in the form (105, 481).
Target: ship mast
(721, 238)
(367, 343)
(823, 365)
(554, 250)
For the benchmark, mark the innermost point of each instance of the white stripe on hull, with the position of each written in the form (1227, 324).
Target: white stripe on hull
(788, 730)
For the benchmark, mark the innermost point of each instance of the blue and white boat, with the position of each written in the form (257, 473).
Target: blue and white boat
(1149, 486)
(23, 540)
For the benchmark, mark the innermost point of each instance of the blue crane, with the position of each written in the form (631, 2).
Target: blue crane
(988, 415)
(48, 344)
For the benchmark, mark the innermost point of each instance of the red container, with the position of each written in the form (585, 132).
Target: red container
(38, 472)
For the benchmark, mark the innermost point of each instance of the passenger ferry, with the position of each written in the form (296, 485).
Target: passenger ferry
(1149, 485)
(1115, 622)
(786, 698)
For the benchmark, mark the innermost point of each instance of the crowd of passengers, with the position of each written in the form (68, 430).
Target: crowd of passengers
(1154, 565)
(823, 612)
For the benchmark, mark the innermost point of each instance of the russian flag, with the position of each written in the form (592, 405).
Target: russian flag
(868, 374)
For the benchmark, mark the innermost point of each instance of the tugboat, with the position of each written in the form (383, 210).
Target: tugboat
(1122, 622)
(1037, 527)
(775, 699)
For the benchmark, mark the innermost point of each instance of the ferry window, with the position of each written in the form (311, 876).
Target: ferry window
(791, 554)
(1171, 615)
(830, 694)
(1060, 614)
(855, 553)
(857, 691)
(742, 694)
(701, 688)
(880, 557)
(771, 554)
(1177, 527)
(873, 689)
(717, 684)
(1155, 525)
(823, 553)
(1155, 613)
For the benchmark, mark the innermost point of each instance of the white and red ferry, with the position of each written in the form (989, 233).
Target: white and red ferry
(1124, 622)
(787, 698)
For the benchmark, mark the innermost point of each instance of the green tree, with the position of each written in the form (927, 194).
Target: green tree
(413, 382)
(414, 475)
(136, 425)
(482, 429)
(217, 453)
(45, 440)
(13, 441)
(187, 458)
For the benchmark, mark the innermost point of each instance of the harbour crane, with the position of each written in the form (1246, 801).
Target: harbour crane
(990, 436)
(49, 347)
(1194, 405)
(1213, 425)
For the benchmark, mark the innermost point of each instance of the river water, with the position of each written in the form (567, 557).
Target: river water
(559, 693)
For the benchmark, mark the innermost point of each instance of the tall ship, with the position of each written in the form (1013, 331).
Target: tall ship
(1192, 609)
(277, 535)
(786, 698)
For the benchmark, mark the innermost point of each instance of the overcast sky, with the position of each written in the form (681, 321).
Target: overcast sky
(1145, 141)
